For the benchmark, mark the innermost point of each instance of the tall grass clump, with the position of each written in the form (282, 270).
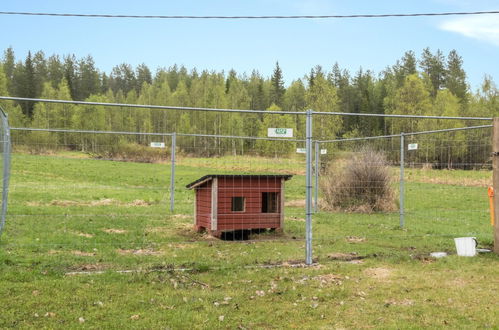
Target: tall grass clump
(359, 183)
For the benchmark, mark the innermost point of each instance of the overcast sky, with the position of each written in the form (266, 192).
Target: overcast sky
(245, 45)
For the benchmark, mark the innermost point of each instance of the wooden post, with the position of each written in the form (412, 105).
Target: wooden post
(214, 204)
(281, 207)
(495, 180)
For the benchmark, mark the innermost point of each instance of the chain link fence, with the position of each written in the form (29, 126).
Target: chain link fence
(138, 192)
(404, 190)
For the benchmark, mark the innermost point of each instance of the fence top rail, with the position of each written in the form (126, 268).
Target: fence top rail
(167, 107)
(60, 130)
(148, 106)
(397, 116)
(406, 134)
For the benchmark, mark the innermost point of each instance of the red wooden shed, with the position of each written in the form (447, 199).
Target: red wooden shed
(234, 202)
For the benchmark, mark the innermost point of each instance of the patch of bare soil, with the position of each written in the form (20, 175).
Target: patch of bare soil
(294, 264)
(403, 302)
(344, 256)
(329, 279)
(187, 230)
(138, 202)
(355, 239)
(83, 254)
(378, 273)
(457, 283)
(114, 231)
(295, 219)
(179, 246)
(158, 230)
(147, 252)
(88, 267)
(296, 203)
(181, 216)
(83, 234)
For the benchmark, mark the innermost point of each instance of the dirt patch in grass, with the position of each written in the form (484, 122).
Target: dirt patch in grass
(403, 302)
(114, 231)
(344, 256)
(138, 202)
(295, 219)
(146, 252)
(329, 279)
(83, 254)
(381, 274)
(181, 216)
(457, 283)
(295, 203)
(89, 267)
(179, 246)
(355, 239)
(77, 233)
(158, 230)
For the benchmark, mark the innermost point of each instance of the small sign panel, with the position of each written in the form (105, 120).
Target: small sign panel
(280, 132)
(323, 151)
(301, 150)
(412, 146)
(157, 144)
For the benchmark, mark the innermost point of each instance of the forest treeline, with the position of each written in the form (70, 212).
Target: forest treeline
(432, 84)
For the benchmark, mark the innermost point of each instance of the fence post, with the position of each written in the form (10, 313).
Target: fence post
(308, 194)
(495, 180)
(402, 190)
(316, 183)
(172, 176)
(6, 149)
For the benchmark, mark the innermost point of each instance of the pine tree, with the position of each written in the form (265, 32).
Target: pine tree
(55, 70)
(88, 78)
(143, 75)
(277, 89)
(456, 77)
(70, 74)
(434, 71)
(9, 67)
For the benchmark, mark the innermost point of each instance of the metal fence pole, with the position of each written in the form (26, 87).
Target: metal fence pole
(6, 167)
(316, 183)
(308, 184)
(402, 190)
(172, 176)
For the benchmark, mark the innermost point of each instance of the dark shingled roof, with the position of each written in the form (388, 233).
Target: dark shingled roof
(233, 176)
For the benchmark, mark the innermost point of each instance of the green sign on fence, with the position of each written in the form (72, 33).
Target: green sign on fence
(280, 132)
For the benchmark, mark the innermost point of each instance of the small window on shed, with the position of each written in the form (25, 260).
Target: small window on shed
(270, 202)
(238, 204)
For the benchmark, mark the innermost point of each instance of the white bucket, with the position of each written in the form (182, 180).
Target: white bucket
(466, 246)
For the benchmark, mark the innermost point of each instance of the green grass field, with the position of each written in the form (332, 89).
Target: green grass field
(92, 243)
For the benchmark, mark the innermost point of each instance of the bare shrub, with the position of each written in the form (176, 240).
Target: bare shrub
(126, 151)
(359, 183)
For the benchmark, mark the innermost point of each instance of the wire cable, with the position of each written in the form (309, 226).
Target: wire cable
(251, 17)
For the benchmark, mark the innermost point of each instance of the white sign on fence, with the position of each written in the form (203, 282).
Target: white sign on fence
(280, 132)
(412, 146)
(157, 144)
(304, 151)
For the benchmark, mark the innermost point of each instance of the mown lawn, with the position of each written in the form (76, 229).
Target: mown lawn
(92, 243)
